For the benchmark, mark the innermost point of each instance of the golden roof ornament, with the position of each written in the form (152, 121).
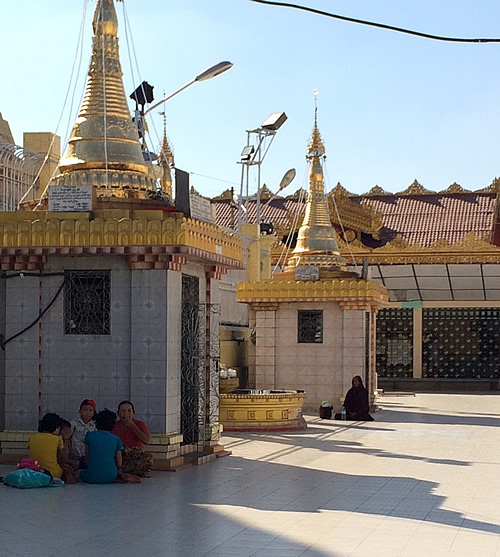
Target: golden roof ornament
(316, 240)
(315, 147)
(416, 188)
(299, 194)
(455, 188)
(104, 148)
(377, 190)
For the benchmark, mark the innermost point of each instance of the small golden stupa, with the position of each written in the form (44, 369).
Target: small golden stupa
(104, 149)
(316, 240)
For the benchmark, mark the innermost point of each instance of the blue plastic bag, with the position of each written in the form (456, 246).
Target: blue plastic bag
(26, 478)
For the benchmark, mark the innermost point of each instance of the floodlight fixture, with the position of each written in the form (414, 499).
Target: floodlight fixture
(247, 153)
(143, 94)
(274, 121)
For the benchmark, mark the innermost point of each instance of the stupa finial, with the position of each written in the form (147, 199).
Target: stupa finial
(166, 160)
(315, 147)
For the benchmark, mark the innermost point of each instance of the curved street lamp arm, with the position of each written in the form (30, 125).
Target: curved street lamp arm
(209, 73)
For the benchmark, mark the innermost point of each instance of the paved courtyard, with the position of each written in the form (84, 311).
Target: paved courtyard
(422, 480)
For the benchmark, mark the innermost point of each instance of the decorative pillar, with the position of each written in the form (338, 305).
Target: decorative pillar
(213, 428)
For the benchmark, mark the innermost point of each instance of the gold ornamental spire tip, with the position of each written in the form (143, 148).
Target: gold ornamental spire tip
(315, 147)
(166, 155)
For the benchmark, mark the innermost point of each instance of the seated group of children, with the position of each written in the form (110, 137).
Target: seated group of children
(83, 449)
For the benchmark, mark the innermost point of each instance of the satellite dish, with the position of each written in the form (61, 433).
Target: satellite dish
(287, 179)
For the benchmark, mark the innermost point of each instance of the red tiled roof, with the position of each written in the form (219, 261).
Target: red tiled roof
(419, 219)
(278, 211)
(424, 219)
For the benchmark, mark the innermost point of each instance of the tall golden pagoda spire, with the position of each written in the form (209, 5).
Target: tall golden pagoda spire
(166, 161)
(316, 240)
(104, 149)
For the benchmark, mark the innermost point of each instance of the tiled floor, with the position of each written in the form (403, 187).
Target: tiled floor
(422, 480)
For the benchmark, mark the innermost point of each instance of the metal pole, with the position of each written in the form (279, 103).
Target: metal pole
(259, 162)
(240, 200)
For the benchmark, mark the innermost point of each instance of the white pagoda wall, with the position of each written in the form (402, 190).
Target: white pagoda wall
(323, 370)
(139, 360)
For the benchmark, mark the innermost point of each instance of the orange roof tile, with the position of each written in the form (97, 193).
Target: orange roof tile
(424, 219)
(419, 219)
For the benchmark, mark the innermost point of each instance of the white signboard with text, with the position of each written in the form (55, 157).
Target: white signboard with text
(70, 198)
(201, 208)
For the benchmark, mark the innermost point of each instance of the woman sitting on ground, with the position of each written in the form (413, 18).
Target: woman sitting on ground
(134, 435)
(104, 453)
(356, 403)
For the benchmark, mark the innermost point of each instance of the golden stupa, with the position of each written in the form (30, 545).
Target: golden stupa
(316, 240)
(104, 149)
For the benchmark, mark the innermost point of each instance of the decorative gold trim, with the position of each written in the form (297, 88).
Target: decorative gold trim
(226, 194)
(416, 189)
(399, 243)
(376, 190)
(494, 187)
(118, 228)
(358, 292)
(353, 215)
(265, 192)
(455, 188)
(470, 249)
(301, 193)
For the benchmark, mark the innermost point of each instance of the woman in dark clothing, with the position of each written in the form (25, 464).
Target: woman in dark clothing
(356, 403)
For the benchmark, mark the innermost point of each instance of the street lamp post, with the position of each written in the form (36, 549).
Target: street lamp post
(209, 73)
(144, 95)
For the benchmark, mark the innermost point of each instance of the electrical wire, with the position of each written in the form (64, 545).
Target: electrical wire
(104, 96)
(78, 54)
(213, 178)
(374, 24)
(129, 42)
(3, 342)
(344, 236)
(131, 51)
(285, 250)
(72, 113)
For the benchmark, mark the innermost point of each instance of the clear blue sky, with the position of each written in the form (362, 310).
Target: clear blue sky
(392, 107)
